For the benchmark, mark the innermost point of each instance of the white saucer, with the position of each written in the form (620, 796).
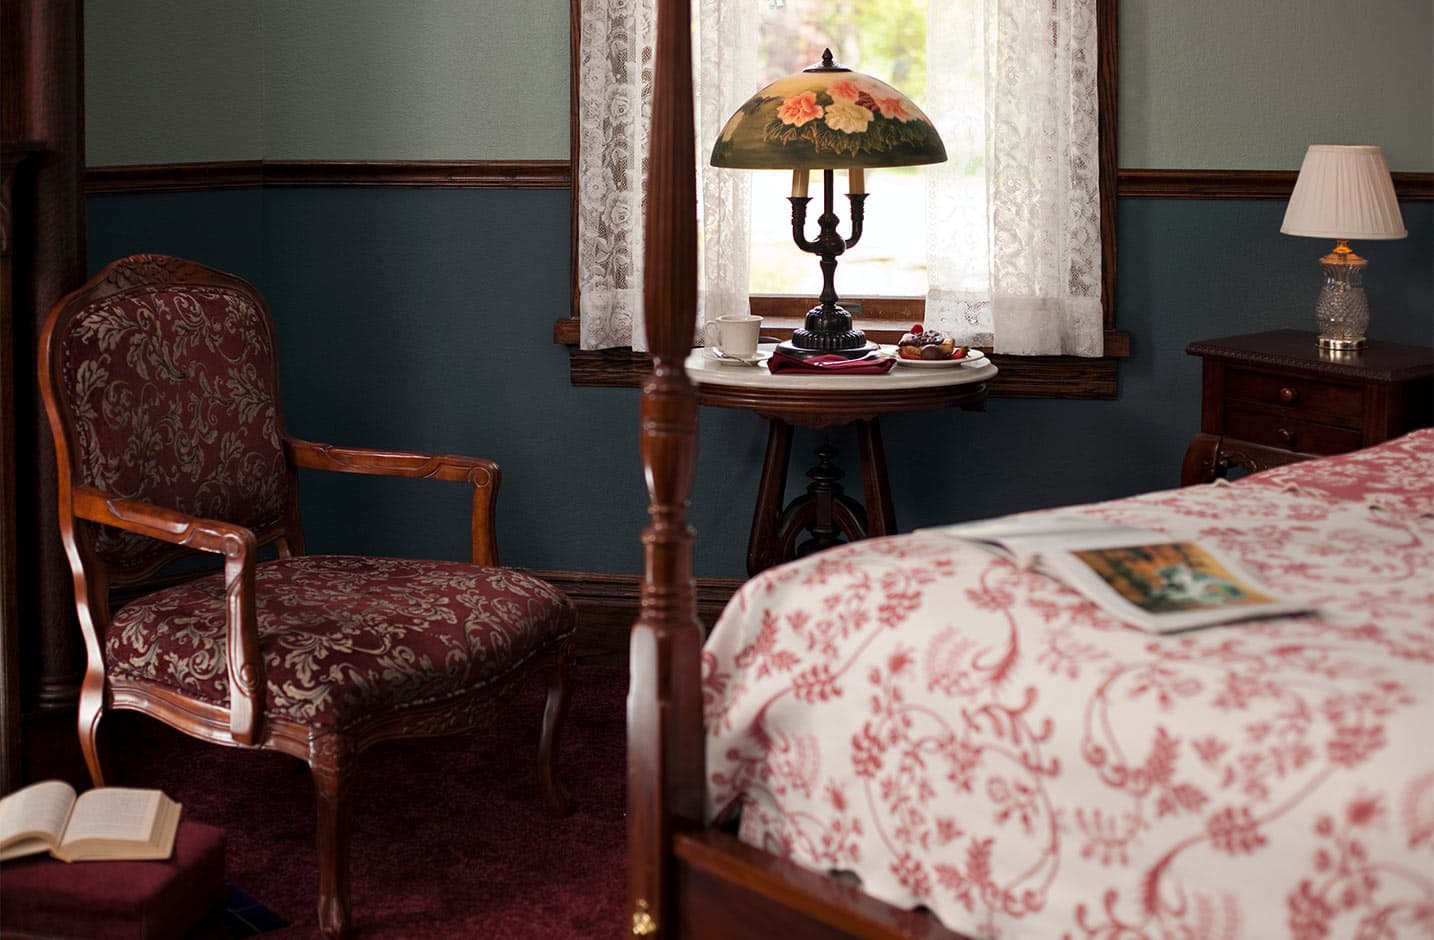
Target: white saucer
(761, 355)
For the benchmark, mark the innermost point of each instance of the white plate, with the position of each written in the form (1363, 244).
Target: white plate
(972, 357)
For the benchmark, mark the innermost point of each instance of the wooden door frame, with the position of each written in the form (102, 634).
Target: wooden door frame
(42, 127)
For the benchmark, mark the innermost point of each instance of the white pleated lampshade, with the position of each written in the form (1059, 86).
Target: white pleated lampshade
(1344, 193)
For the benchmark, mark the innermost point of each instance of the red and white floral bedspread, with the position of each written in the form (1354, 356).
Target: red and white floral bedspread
(978, 739)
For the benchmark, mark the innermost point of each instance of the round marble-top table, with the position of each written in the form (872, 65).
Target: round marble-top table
(818, 401)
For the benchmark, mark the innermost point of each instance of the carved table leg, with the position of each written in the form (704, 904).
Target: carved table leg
(880, 513)
(824, 511)
(762, 549)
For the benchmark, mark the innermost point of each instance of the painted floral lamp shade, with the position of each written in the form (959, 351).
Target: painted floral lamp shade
(827, 117)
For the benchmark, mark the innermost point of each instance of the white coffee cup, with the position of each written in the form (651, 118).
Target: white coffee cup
(733, 335)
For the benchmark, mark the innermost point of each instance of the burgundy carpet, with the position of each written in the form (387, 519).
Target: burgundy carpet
(450, 836)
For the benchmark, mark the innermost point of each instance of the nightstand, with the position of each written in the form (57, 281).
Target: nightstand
(1274, 398)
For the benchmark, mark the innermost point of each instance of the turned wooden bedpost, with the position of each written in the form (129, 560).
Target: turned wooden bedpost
(664, 706)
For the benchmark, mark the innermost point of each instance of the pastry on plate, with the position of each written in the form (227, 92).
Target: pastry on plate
(922, 343)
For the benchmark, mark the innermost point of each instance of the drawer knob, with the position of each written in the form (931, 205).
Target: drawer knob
(1285, 435)
(1289, 395)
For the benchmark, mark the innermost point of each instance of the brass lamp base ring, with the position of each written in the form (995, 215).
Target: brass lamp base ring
(1340, 345)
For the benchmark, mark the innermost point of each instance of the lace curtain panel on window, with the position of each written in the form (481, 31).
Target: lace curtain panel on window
(1013, 217)
(614, 113)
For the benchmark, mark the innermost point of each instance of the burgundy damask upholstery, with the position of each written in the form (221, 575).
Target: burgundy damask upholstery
(174, 397)
(344, 638)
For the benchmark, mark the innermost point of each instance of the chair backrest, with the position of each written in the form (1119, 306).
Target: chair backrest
(161, 381)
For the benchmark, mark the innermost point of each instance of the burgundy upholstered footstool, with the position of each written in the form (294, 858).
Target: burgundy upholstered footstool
(44, 897)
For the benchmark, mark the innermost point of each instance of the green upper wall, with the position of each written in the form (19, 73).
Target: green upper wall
(1218, 84)
(172, 81)
(177, 81)
(417, 80)
(1236, 85)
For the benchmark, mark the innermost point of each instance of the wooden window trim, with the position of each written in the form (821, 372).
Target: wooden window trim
(1020, 376)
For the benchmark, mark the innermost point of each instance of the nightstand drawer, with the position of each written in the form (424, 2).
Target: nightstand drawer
(1295, 394)
(1290, 433)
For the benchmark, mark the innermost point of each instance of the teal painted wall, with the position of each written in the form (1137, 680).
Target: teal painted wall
(422, 318)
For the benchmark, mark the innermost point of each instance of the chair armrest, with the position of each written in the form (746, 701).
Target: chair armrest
(239, 548)
(484, 476)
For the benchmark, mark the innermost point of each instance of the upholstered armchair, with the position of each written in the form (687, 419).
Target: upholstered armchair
(160, 380)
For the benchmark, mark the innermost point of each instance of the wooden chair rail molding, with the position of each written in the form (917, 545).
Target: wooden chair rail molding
(390, 174)
(1242, 184)
(556, 174)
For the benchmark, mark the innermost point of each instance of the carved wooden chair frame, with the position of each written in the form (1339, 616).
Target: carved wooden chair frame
(243, 722)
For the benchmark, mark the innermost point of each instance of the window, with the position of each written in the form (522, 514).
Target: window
(886, 272)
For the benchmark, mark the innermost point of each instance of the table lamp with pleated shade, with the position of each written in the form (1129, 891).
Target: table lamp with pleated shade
(1344, 193)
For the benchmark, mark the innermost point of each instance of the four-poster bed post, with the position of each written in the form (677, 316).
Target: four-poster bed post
(685, 880)
(665, 741)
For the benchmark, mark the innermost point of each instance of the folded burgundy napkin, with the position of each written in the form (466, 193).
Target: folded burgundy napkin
(829, 364)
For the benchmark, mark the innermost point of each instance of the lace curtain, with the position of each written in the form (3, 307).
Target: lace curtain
(614, 113)
(1013, 217)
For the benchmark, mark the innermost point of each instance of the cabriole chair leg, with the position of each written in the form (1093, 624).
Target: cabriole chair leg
(555, 795)
(331, 792)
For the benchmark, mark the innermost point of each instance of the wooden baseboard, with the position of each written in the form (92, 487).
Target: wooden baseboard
(608, 605)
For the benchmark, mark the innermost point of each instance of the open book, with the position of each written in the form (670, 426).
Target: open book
(107, 823)
(1148, 579)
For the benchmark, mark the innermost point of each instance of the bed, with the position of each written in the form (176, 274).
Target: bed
(1298, 799)
(979, 739)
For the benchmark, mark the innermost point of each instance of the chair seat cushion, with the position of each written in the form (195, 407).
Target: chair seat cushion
(345, 637)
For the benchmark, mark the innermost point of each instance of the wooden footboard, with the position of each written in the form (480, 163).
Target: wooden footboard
(726, 889)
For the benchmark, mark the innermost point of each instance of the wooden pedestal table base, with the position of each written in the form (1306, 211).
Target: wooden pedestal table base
(825, 512)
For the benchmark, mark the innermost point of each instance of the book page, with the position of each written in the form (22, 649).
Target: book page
(1040, 524)
(26, 814)
(114, 813)
(1024, 537)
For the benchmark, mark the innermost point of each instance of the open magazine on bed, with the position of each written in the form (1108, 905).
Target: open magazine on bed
(1148, 579)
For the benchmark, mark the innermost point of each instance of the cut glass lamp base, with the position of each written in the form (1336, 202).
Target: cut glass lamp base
(1342, 310)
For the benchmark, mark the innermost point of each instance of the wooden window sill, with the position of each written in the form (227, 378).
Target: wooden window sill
(1020, 376)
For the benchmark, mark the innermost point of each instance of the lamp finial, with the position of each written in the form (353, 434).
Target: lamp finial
(827, 64)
